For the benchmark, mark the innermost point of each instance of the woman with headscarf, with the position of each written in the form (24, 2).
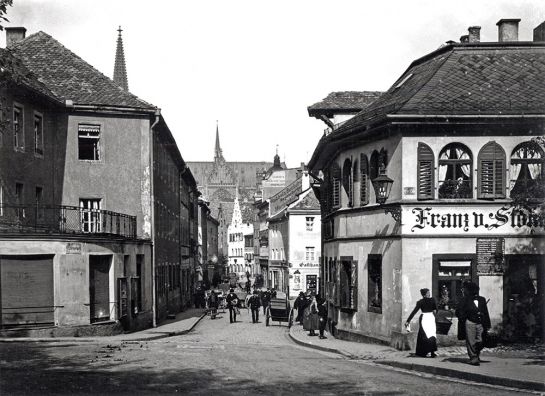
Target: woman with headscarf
(426, 341)
(313, 319)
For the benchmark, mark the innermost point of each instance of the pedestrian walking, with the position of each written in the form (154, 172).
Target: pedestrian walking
(213, 303)
(255, 303)
(322, 315)
(300, 304)
(473, 315)
(232, 303)
(426, 340)
(312, 316)
(265, 299)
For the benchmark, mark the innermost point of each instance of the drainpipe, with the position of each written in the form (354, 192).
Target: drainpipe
(152, 202)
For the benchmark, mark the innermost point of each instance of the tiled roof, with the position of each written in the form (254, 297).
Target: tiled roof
(308, 202)
(344, 101)
(466, 79)
(12, 68)
(69, 77)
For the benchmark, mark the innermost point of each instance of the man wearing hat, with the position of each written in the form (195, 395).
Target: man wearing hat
(232, 303)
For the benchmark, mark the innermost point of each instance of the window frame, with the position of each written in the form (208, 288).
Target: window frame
(91, 216)
(18, 127)
(348, 182)
(97, 149)
(425, 156)
(498, 176)
(40, 140)
(452, 182)
(442, 257)
(364, 180)
(309, 223)
(372, 258)
(335, 186)
(512, 183)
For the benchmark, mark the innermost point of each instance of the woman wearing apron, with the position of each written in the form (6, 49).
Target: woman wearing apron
(426, 340)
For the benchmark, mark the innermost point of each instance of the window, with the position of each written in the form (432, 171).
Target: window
(335, 186)
(425, 180)
(309, 254)
(19, 193)
(18, 128)
(38, 135)
(1, 200)
(39, 202)
(348, 182)
(374, 165)
(491, 175)
(89, 142)
(449, 273)
(374, 283)
(364, 183)
(90, 215)
(136, 285)
(455, 179)
(309, 223)
(527, 171)
(348, 284)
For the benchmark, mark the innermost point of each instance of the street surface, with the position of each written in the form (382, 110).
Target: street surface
(216, 358)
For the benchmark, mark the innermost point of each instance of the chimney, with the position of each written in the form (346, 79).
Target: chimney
(539, 32)
(464, 39)
(474, 34)
(508, 30)
(14, 34)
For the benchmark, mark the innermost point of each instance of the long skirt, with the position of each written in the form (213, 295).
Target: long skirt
(426, 341)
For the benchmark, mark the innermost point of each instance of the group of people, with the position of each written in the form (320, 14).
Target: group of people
(311, 313)
(473, 322)
(254, 301)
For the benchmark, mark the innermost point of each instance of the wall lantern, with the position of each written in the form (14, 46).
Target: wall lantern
(382, 185)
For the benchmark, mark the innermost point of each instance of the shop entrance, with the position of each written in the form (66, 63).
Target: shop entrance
(99, 287)
(449, 273)
(523, 295)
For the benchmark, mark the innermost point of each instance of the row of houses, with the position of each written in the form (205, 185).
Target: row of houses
(437, 181)
(99, 212)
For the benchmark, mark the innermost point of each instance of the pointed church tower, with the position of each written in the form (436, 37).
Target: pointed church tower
(236, 220)
(218, 154)
(120, 70)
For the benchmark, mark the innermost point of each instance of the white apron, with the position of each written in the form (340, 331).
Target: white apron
(428, 324)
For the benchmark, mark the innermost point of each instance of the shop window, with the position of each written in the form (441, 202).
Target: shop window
(18, 128)
(425, 172)
(449, 273)
(89, 142)
(364, 182)
(455, 175)
(348, 284)
(527, 171)
(374, 283)
(348, 182)
(90, 215)
(491, 175)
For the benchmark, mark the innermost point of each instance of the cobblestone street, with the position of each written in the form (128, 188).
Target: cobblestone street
(215, 358)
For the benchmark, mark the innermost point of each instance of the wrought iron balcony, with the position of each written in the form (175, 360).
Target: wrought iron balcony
(49, 219)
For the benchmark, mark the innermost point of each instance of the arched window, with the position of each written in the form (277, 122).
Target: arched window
(374, 165)
(364, 184)
(348, 183)
(355, 182)
(455, 172)
(425, 180)
(335, 186)
(491, 171)
(527, 171)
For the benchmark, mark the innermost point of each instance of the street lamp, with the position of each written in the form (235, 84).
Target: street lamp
(382, 185)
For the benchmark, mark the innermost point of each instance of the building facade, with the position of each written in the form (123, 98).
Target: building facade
(464, 163)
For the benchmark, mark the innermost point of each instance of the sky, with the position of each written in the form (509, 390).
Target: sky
(255, 66)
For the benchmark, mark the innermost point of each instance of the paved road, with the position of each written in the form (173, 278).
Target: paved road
(217, 358)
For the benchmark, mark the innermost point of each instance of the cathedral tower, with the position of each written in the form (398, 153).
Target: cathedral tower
(120, 70)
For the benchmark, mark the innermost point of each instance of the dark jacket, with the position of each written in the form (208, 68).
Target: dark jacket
(467, 310)
(254, 302)
(300, 303)
(322, 311)
(230, 300)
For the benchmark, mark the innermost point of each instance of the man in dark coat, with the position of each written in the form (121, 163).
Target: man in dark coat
(265, 299)
(322, 314)
(472, 313)
(300, 304)
(232, 303)
(254, 303)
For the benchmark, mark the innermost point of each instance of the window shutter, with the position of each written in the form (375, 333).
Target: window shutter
(364, 184)
(354, 286)
(425, 172)
(336, 187)
(337, 283)
(491, 172)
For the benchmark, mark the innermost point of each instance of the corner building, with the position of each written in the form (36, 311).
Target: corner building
(459, 135)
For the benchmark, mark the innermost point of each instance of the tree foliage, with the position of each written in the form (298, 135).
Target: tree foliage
(4, 4)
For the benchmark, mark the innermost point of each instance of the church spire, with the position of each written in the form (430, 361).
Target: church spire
(120, 70)
(217, 150)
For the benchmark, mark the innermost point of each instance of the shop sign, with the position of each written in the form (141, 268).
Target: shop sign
(490, 256)
(73, 248)
(309, 264)
(471, 220)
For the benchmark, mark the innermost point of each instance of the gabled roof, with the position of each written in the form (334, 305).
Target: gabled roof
(69, 77)
(343, 102)
(308, 202)
(459, 79)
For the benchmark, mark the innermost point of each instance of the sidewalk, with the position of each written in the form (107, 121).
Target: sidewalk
(182, 324)
(510, 367)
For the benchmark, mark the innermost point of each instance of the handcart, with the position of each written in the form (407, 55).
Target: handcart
(279, 310)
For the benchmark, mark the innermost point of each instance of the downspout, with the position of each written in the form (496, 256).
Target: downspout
(152, 202)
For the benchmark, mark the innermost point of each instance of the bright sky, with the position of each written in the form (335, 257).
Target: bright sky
(256, 65)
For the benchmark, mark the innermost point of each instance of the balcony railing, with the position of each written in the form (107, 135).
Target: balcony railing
(50, 219)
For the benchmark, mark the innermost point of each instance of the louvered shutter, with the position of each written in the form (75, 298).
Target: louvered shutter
(354, 286)
(491, 175)
(336, 187)
(425, 172)
(364, 184)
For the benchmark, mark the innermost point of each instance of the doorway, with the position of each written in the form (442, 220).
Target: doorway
(99, 287)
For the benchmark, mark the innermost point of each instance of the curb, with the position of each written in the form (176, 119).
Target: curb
(469, 376)
(106, 338)
(319, 347)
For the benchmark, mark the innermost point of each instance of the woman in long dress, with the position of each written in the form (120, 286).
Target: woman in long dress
(426, 341)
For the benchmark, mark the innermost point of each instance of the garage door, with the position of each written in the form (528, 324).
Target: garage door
(26, 290)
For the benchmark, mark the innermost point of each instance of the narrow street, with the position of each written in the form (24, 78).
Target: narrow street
(215, 358)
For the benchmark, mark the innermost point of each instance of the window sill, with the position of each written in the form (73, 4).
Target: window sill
(374, 310)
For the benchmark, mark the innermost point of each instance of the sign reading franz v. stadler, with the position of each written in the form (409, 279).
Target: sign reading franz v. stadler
(507, 220)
